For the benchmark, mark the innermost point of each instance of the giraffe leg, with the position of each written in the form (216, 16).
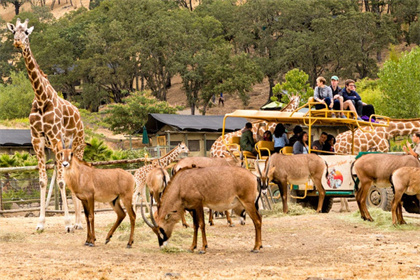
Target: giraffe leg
(77, 212)
(62, 186)
(38, 145)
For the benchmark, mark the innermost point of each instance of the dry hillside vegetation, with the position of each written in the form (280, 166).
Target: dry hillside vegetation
(64, 7)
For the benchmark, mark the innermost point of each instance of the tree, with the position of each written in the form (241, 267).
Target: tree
(296, 82)
(16, 3)
(400, 83)
(130, 116)
(16, 98)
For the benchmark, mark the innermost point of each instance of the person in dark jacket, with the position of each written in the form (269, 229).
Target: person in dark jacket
(349, 93)
(247, 142)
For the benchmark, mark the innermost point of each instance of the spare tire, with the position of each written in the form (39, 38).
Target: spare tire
(380, 198)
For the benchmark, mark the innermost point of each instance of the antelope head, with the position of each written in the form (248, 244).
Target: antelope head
(167, 217)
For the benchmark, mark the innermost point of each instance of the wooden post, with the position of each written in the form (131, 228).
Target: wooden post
(56, 195)
(1, 195)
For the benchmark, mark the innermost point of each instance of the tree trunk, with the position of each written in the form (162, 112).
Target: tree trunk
(193, 108)
(52, 4)
(17, 7)
(271, 83)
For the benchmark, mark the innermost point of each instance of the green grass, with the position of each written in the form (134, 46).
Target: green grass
(382, 220)
(21, 123)
(294, 210)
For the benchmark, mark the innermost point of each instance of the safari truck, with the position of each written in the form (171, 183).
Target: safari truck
(339, 182)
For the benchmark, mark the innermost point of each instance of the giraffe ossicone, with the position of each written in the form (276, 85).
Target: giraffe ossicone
(51, 117)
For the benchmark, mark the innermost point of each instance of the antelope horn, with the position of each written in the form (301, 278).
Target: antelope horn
(267, 166)
(144, 215)
(62, 141)
(258, 166)
(71, 142)
(151, 212)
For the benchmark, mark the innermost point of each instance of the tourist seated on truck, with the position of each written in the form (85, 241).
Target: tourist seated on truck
(297, 130)
(247, 142)
(267, 136)
(338, 96)
(349, 93)
(319, 144)
(329, 144)
(280, 138)
(301, 146)
(323, 94)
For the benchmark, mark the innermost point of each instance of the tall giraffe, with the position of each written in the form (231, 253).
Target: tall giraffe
(218, 148)
(164, 161)
(51, 119)
(378, 139)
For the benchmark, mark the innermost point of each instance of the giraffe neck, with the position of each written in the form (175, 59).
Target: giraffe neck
(169, 157)
(403, 127)
(292, 105)
(37, 77)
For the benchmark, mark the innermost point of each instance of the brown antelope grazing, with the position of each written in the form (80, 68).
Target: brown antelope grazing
(295, 169)
(194, 189)
(405, 180)
(157, 179)
(377, 169)
(193, 162)
(102, 185)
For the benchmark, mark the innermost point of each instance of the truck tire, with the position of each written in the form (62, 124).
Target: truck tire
(411, 203)
(380, 198)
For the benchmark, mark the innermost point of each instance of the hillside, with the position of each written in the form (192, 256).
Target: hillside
(259, 97)
(64, 7)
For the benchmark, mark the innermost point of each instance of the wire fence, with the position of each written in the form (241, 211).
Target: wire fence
(20, 188)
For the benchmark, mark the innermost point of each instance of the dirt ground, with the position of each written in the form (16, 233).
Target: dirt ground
(316, 246)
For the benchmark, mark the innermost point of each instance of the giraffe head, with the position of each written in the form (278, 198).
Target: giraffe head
(182, 148)
(21, 33)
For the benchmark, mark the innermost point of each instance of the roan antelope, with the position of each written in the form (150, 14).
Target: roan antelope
(405, 180)
(201, 162)
(193, 189)
(295, 169)
(103, 185)
(377, 169)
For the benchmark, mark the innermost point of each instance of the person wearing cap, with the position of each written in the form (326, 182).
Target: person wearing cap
(337, 96)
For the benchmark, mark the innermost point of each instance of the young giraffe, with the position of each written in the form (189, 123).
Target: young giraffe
(51, 118)
(218, 148)
(140, 174)
(377, 140)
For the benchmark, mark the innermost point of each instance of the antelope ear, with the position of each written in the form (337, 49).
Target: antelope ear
(79, 148)
(11, 27)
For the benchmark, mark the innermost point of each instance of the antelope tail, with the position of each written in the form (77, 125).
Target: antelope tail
(326, 174)
(354, 177)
